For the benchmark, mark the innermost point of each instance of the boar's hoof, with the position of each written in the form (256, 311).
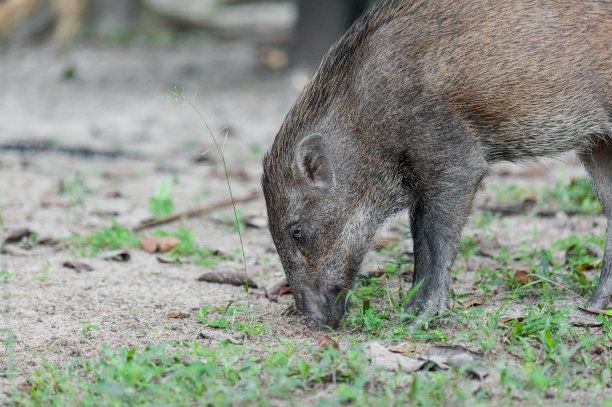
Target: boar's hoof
(598, 301)
(422, 309)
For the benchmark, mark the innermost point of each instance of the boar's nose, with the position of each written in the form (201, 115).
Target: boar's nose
(324, 306)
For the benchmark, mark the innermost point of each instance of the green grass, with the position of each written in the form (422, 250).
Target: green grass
(573, 196)
(539, 360)
(117, 236)
(161, 203)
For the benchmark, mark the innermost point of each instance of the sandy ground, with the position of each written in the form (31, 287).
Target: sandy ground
(113, 102)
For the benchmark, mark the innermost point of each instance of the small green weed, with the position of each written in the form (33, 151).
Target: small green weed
(511, 193)
(5, 276)
(161, 203)
(467, 246)
(109, 238)
(88, 327)
(227, 317)
(75, 189)
(576, 195)
(43, 274)
(203, 256)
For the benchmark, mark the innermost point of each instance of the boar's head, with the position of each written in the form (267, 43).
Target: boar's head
(325, 198)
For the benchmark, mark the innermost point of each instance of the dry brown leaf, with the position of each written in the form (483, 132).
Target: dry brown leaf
(227, 277)
(384, 241)
(168, 260)
(15, 235)
(523, 277)
(284, 291)
(273, 290)
(588, 266)
(377, 272)
(585, 317)
(466, 302)
(77, 266)
(594, 250)
(325, 341)
(597, 311)
(116, 255)
(406, 347)
(257, 222)
(160, 244)
(388, 360)
(290, 311)
(505, 320)
(558, 256)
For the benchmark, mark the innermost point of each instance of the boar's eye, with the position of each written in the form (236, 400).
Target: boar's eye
(296, 232)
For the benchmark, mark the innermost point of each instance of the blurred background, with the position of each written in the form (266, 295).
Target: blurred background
(86, 92)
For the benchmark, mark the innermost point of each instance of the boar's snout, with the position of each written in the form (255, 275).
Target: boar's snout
(325, 306)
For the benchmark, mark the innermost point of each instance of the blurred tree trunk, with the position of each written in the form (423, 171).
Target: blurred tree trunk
(320, 23)
(109, 16)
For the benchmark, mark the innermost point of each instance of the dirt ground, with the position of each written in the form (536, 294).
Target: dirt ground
(114, 99)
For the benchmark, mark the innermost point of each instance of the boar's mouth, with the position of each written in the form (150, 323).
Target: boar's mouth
(324, 307)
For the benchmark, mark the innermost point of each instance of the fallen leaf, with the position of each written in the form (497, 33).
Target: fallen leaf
(388, 360)
(457, 356)
(216, 335)
(168, 260)
(384, 241)
(77, 266)
(607, 312)
(47, 241)
(594, 250)
(290, 311)
(589, 266)
(256, 222)
(583, 317)
(515, 208)
(273, 291)
(16, 251)
(377, 272)
(284, 291)
(558, 256)
(406, 347)
(15, 235)
(114, 194)
(25, 386)
(505, 320)
(227, 277)
(174, 315)
(116, 255)
(162, 244)
(523, 277)
(325, 341)
(466, 302)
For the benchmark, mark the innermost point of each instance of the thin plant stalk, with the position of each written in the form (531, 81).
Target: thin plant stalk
(180, 94)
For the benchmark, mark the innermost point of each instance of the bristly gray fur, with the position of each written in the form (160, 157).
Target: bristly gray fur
(408, 110)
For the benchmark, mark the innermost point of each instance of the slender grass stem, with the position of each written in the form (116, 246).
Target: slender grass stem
(179, 94)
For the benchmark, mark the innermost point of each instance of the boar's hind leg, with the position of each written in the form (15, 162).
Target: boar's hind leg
(437, 218)
(421, 251)
(599, 166)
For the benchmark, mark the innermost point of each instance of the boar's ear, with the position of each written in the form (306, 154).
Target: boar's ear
(313, 163)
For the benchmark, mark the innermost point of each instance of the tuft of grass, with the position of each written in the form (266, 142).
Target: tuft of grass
(576, 195)
(202, 256)
(75, 189)
(113, 237)
(161, 203)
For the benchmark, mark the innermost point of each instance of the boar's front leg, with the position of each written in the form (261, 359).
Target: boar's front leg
(598, 163)
(444, 188)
